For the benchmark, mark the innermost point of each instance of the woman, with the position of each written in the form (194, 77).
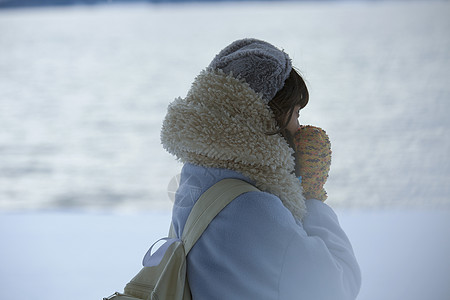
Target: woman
(237, 122)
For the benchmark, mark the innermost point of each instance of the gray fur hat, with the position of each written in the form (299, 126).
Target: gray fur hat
(263, 66)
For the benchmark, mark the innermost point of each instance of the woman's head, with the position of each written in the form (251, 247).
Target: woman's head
(286, 106)
(225, 120)
(288, 101)
(268, 71)
(261, 65)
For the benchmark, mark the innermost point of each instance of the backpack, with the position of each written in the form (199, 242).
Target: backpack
(164, 275)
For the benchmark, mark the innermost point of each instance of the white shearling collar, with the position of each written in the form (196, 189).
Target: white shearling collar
(223, 123)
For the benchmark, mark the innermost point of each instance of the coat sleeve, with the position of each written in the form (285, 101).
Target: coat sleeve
(321, 249)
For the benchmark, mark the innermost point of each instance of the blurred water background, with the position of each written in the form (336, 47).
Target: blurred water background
(84, 89)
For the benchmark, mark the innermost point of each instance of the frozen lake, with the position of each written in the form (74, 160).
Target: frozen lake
(83, 91)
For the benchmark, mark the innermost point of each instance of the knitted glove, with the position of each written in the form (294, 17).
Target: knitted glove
(313, 151)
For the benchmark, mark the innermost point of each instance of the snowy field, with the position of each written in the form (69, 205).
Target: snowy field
(71, 256)
(83, 91)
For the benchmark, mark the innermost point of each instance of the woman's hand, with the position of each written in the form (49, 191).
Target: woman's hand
(313, 151)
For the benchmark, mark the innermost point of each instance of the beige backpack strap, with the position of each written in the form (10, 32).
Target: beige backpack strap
(172, 233)
(209, 205)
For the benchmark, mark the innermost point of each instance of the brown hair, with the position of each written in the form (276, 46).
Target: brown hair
(293, 93)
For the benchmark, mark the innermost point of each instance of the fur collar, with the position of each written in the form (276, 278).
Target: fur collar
(222, 123)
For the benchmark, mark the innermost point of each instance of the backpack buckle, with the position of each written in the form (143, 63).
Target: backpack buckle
(112, 296)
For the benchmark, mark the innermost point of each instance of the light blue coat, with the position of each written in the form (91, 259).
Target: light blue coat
(255, 249)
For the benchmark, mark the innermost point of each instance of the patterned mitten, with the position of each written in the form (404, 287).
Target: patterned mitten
(313, 151)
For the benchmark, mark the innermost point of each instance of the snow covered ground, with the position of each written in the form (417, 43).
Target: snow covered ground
(403, 254)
